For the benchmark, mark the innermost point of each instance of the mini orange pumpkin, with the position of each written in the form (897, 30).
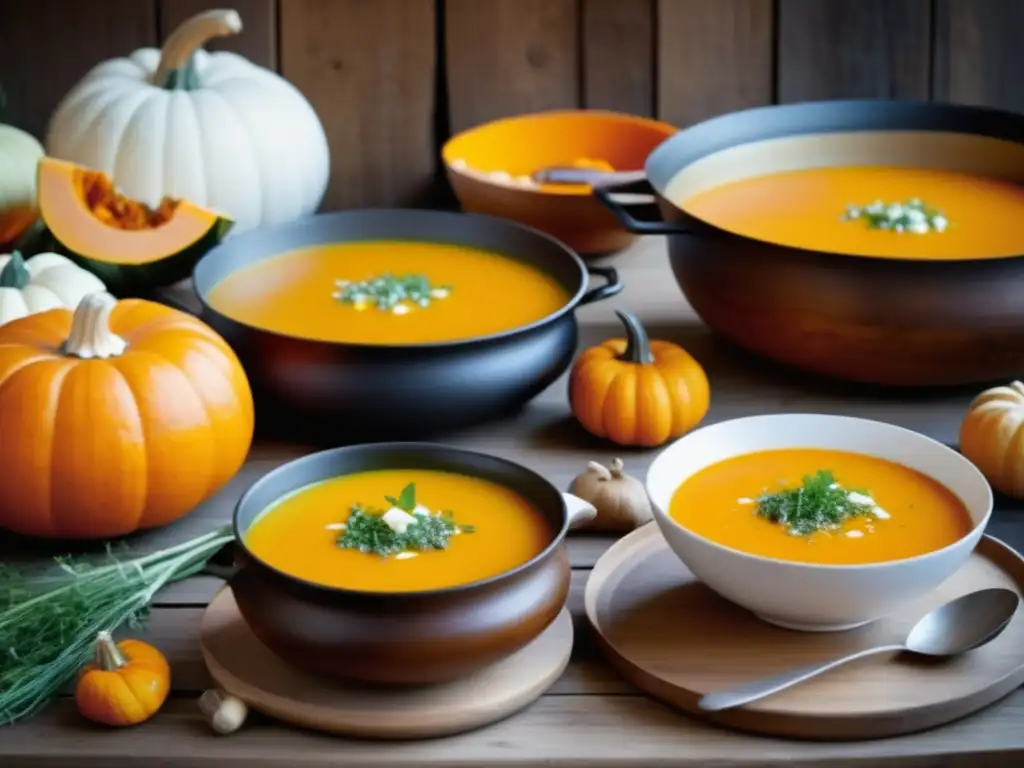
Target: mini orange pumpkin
(638, 392)
(126, 684)
(118, 417)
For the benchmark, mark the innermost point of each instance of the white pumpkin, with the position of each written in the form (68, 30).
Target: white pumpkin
(44, 281)
(992, 437)
(211, 128)
(19, 160)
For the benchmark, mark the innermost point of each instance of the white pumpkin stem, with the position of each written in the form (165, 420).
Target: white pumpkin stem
(600, 470)
(616, 469)
(192, 35)
(108, 655)
(90, 335)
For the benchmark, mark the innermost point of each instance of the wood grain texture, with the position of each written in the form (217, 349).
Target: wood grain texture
(854, 49)
(977, 52)
(48, 45)
(367, 66)
(618, 55)
(258, 40)
(507, 57)
(559, 731)
(641, 601)
(714, 56)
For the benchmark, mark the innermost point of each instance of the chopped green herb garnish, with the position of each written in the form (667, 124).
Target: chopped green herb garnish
(912, 216)
(819, 504)
(391, 293)
(368, 531)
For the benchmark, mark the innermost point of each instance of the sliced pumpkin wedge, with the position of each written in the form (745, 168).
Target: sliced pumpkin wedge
(131, 247)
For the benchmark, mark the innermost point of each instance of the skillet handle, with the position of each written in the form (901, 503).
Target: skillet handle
(652, 224)
(610, 288)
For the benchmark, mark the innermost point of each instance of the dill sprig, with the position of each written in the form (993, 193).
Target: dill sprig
(49, 618)
(819, 504)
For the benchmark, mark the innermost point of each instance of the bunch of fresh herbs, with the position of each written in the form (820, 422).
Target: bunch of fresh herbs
(49, 618)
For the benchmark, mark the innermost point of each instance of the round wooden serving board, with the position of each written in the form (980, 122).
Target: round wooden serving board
(243, 667)
(676, 639)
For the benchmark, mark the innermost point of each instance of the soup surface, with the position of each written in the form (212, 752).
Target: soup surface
(485, 529)
(809, 209)
(869, 509)
(388, 292)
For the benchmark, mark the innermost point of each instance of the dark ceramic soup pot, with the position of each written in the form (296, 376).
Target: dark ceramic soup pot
(365, 390)
(895, 321)
(408, 638)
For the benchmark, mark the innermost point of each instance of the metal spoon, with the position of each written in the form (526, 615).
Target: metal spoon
(953, 628)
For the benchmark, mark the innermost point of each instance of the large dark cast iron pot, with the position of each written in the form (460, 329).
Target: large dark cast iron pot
(377, 391)
(874, 320)
(394, 638)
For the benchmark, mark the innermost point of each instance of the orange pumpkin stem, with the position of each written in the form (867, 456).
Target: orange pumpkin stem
(90, 335)
(638, 345)
(108, 655)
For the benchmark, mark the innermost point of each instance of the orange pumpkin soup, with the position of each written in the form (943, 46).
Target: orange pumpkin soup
(388, 292)
(820, 506)
(399, 531)
(871, 211)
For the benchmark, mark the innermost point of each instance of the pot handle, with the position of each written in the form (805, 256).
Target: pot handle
(654, 225)
(578, 510)
(222, 564)
(610, 288)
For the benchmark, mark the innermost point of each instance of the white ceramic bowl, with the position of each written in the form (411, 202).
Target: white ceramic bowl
(807, 596)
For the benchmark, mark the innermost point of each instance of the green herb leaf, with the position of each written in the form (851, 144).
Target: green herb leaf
(819, 504)
(407, 498)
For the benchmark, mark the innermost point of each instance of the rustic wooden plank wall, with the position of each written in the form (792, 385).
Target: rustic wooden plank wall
(391, 79)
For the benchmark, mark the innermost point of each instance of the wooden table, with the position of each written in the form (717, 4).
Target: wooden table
(590, 717)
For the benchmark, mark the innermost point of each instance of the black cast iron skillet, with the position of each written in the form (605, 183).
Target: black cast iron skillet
(359, 391)
(895, 321)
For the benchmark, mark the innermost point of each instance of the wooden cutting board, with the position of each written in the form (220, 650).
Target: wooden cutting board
(246, 669)
(676, 639)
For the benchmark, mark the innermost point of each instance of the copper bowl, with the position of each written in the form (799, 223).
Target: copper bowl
(897, 322)
(520, 145)
(403, 638)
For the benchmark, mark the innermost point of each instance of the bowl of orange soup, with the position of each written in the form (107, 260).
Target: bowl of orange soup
(491, 166)
(401, 563)
(396, 323)
(817, 522)
(872, 241)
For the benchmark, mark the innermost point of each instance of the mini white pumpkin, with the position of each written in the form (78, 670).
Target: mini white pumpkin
(211, 128)
(44, 281)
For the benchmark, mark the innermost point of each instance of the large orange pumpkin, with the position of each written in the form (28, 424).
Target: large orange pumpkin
(117, 417)
(638, 392)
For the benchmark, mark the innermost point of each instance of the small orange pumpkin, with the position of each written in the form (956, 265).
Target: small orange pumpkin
(118, 417)
(638, 392)
(126, 684)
